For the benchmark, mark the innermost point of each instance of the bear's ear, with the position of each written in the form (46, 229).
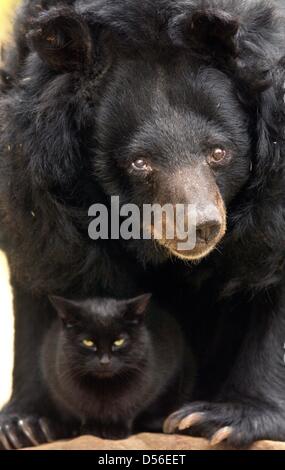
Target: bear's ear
(62, 39)
(211, 31)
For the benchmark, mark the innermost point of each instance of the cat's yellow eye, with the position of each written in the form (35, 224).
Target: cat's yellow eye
(119, 343)
(88, 343)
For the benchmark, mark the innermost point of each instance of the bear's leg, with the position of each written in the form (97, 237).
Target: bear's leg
(251, 404)
(27, 420)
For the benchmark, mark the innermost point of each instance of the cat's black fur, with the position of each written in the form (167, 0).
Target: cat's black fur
(109, 390)
(178, 75)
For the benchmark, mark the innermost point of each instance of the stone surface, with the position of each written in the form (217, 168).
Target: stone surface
(148, 442)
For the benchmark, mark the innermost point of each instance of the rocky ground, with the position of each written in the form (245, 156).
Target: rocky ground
(148, 442)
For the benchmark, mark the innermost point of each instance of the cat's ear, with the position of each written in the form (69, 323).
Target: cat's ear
(211, 30)
(137, 307)
(62, 39)
(67, 310)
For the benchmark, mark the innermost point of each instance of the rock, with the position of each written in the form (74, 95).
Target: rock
(148, 442)
(268, 445)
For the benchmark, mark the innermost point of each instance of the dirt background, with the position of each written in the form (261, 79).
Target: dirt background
(7, 9)
(6, 332)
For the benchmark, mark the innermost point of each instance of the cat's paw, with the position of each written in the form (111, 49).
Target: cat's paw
(234, 424)
(17, 432)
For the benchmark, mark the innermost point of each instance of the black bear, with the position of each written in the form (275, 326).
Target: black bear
(155, 101)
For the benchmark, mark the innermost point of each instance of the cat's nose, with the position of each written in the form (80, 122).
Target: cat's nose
(105, 360)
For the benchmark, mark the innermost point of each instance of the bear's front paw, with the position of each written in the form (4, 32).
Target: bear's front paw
(17, 432)
(234, 424)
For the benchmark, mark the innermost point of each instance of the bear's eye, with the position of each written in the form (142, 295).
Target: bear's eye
(218, 156)
(141, 165)
(88, 343)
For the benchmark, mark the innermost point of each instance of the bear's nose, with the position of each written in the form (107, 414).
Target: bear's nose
(207, 231)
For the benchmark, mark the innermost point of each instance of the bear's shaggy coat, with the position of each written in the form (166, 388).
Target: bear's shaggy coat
(87, 85)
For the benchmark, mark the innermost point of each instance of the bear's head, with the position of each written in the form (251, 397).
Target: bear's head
(169, 95)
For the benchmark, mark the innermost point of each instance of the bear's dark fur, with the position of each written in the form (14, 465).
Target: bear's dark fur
(88, 84)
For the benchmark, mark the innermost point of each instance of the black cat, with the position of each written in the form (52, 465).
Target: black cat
(111, 367)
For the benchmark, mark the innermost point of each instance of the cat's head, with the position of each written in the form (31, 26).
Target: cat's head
(105, 337)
